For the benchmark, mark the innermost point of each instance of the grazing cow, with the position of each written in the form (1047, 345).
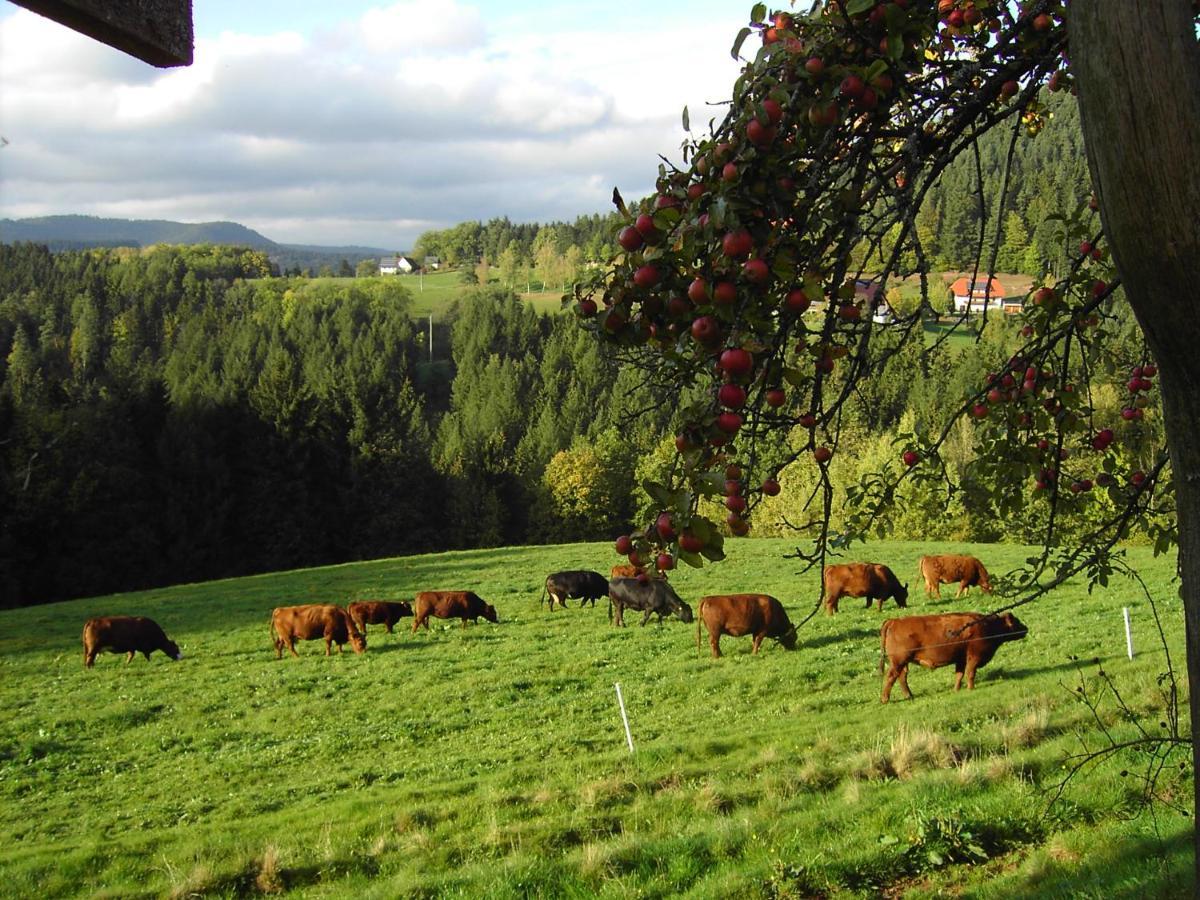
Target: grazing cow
(125, 634)
(315, 620)
(578, 583)
(740, 614)
(969, 640)
(654, 595)
(870, 580)
(450, 605)
(378, 612)
(966, 570)
(630, 571)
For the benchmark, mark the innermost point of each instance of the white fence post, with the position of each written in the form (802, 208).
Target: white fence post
(624, 717)
(1128, 634)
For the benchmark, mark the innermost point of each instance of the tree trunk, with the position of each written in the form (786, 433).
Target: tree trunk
(1137, 66)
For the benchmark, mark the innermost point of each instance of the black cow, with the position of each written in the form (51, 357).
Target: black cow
(581, 584)
(652, 595)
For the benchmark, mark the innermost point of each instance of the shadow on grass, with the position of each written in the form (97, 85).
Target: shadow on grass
(1135, 870)
(852, 635)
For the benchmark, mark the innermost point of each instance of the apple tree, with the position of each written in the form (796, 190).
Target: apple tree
(753, 278)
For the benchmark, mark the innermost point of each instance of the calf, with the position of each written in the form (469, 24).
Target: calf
(310, 622)
(378, 612)
(654, 595)
(739, 614)
(870, 580)
(966, 570)
(450, 605)
(577, 583)
(969, 640)
(125, 634)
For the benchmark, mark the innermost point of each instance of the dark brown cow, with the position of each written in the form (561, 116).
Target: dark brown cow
(378, 612)
(966, 570)
(312, 621)
(740, 614)
(871, 580)
(450, 605)
(969, 640)
(125, 634)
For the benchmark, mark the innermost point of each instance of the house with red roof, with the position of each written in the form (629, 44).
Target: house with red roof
(976, 295)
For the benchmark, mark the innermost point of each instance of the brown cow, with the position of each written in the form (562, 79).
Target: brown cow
(451, 605)
(870, 580)
(966, 570)
(631, 571)
(125, 634)
(969, 640)
(740, 614)
(378, 612)
(315, 620)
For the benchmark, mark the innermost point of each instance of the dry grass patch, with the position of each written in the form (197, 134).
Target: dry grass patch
(712, 798)
(269, 880)
(594, 861)
(606, 791)
(915, 751)
(197, 883)
(1028, 730)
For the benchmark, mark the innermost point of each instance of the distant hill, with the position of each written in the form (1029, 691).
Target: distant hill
(82, 232)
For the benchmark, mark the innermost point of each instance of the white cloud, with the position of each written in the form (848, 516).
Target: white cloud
(417, 115)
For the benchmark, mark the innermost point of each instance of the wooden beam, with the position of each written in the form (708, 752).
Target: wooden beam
(155, 31)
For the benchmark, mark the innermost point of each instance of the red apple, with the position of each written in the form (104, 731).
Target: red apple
(724, 293)
(706, 329)
(814, 66)
(732, 396)
(756, 271)
(911, 458)
(587, 307)
(775, 397)
(647, 276)
(630, 238)
(736, 361)
(624, 545)
(770, 487)
(690, 543)
(646, 227)
(796, 301)
(729, 422)
(698, 291)
(729, 172)
(774, 110)
(665, 527)
(822, 454)
(852, 87)
(665, 561)
(735, 503)
(737, 243)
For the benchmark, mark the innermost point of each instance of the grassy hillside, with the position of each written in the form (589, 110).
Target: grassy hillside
(490, 761)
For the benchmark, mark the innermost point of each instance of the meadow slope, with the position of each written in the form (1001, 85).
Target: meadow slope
(490, 761)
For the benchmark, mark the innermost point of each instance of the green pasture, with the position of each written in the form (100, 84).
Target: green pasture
(433, 293)
(490, 761)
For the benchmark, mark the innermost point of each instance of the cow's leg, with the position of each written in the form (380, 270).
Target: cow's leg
(89, 658)
(714, 641)
(146, 653)
(329, 645)
(291, 643)
(958, 674)
(970, 674)
(871, 600)
(388, 625)
(757, 642)
(904, 681)
(646, 618)
(889, 679)
(937, 590)
(962, 589)
(129, 657)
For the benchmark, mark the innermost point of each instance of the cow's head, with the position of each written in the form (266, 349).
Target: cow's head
(902, 596)
(1013, 629)
(681, 609)
(985, 583)
(405, 609)
(788, 638)
(358, 640)
(489, 613)
(172, 650)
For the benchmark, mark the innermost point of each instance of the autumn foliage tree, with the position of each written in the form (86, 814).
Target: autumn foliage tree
(756, 270)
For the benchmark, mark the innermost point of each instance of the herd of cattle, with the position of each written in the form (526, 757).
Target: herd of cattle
(966, 640)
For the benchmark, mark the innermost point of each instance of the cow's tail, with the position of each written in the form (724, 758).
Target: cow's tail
(883, 631)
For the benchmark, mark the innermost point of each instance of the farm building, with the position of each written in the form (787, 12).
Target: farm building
(397, 265)
(974, 296)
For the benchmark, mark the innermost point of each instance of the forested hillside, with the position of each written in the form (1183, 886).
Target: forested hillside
(174, 414)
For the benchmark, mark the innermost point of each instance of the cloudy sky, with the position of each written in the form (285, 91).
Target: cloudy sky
(345, 121)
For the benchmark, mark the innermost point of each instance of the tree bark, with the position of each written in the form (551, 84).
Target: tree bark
(1137, 66)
